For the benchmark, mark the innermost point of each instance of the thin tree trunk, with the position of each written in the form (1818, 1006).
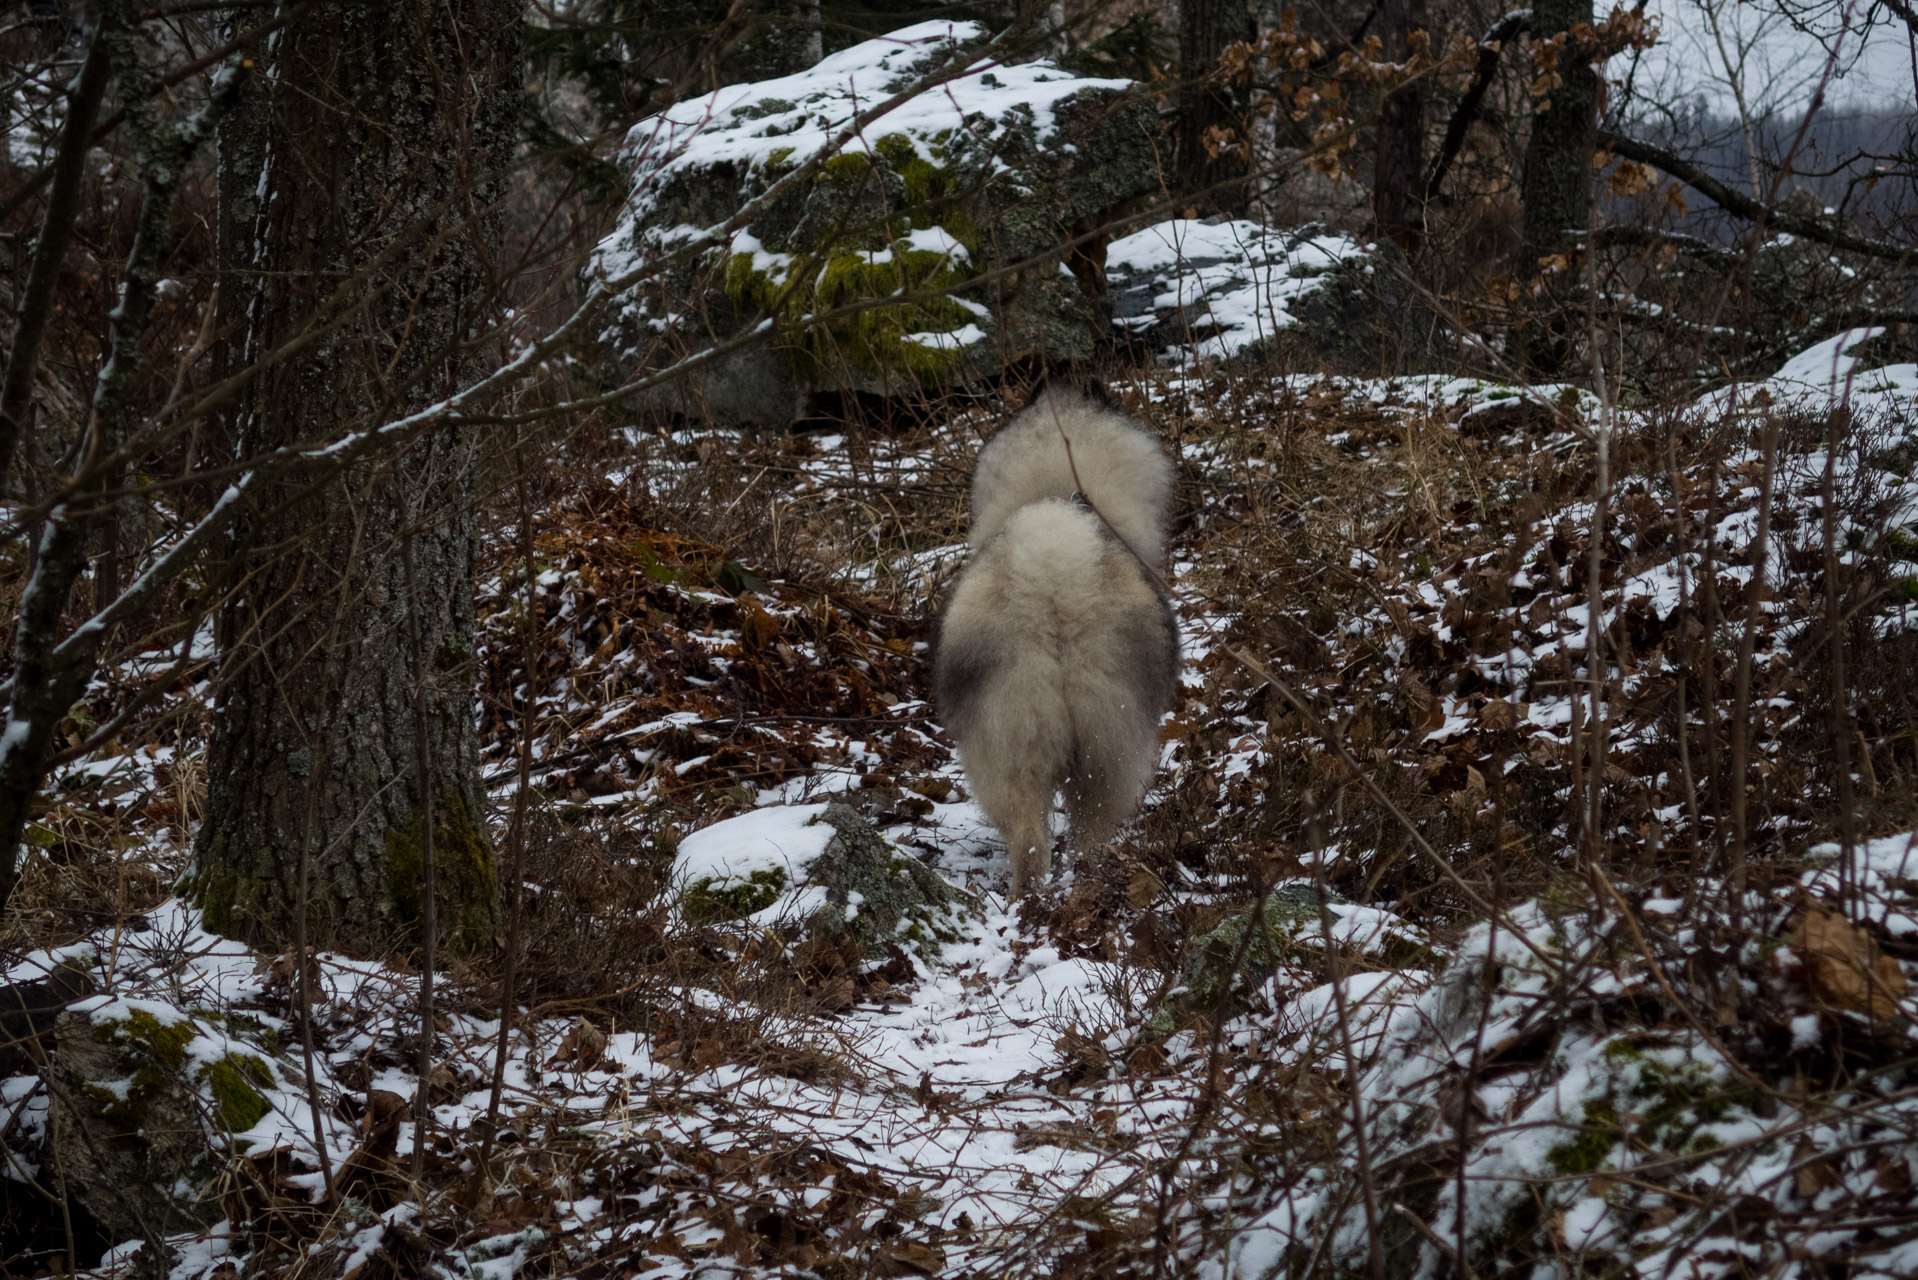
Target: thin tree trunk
(374, 117)
(1206, 29)
(1398, 211)
(50, 250)
(1557, 169)
(51, 670)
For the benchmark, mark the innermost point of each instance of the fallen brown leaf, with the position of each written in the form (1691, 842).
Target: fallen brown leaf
(581, 1048)
(1811, 1173)
(1844, 969)
(1143, 886)
(910, 1258)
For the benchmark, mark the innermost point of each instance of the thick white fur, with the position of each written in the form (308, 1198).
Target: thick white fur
(1118, 466)
(1057, 654)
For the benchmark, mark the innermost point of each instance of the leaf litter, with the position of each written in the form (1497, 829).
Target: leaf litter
(1603, 1073)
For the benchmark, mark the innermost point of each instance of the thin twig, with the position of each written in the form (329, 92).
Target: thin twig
(429, 921)
(516, 837)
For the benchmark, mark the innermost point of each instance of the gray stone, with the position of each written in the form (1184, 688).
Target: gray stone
(139, 1128)
(1225, 966)
(900, 899)
(1238, 292)
(978, 201)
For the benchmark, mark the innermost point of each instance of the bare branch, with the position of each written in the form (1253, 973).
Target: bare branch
(1736, 202)
(56, 230)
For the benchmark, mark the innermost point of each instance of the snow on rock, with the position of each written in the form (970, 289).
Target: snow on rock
(986, 169)
(1838, 370)
(1212, 290)
(801, 115)
(822, 868)
(770, 848)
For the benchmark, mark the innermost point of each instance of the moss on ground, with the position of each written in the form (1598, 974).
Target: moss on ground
(712, 900)
(1595, 1138)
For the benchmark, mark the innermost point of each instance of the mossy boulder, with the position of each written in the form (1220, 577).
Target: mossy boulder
(875, 894)
(148, 1103)
(1234, 291)
(1230, 961)
(819, 870)
(929, 251)
(1233, 959)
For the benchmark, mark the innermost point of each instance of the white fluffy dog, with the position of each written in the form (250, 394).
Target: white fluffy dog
(1057, 653)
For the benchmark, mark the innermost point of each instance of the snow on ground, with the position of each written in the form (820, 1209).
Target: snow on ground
(1011, 1097)
(1836, 370)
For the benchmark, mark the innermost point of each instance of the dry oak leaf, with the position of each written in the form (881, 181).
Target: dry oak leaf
(1844, 969)
(1811, 1172)
(1143, 886)
(909, 1258)
(581, 1048)
(1500, 714)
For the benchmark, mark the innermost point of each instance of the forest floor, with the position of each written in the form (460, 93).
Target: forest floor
(1430, 953)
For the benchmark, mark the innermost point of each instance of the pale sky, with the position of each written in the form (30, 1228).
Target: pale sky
(1779, 66)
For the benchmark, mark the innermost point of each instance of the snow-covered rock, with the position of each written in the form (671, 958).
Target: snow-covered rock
(984, 178)
(1838, 370)
(1211, 290)
(821, 868)
(152, 1103)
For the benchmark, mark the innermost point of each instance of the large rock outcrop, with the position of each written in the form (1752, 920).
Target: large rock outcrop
(1223, 290)
(952, 213)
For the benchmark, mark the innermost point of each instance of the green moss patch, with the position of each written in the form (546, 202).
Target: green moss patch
(1595, 1139)
(156, 1051)
(235, 1083)
(463, 865)
(867, 258)
(712, 900)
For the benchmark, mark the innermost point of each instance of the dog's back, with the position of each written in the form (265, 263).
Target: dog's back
(1067, 442)
(1057, 652)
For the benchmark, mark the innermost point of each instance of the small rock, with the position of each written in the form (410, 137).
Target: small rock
(142, 1128)
(879, 895)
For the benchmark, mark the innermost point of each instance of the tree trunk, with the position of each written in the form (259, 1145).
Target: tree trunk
(1398, 211)
(384, 140)
(1557, 169)
(790, 39)
(1206, 29)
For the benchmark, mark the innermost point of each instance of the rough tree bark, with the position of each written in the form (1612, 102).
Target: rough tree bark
(1557, 170)
(1398, 207)
(1206, 29)
(381, 125)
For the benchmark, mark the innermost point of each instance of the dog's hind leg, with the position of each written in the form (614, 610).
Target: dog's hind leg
(1030, 844)
(1015, 789)
(1109, 774)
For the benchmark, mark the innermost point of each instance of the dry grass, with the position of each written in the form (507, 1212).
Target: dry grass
(1386, 562)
